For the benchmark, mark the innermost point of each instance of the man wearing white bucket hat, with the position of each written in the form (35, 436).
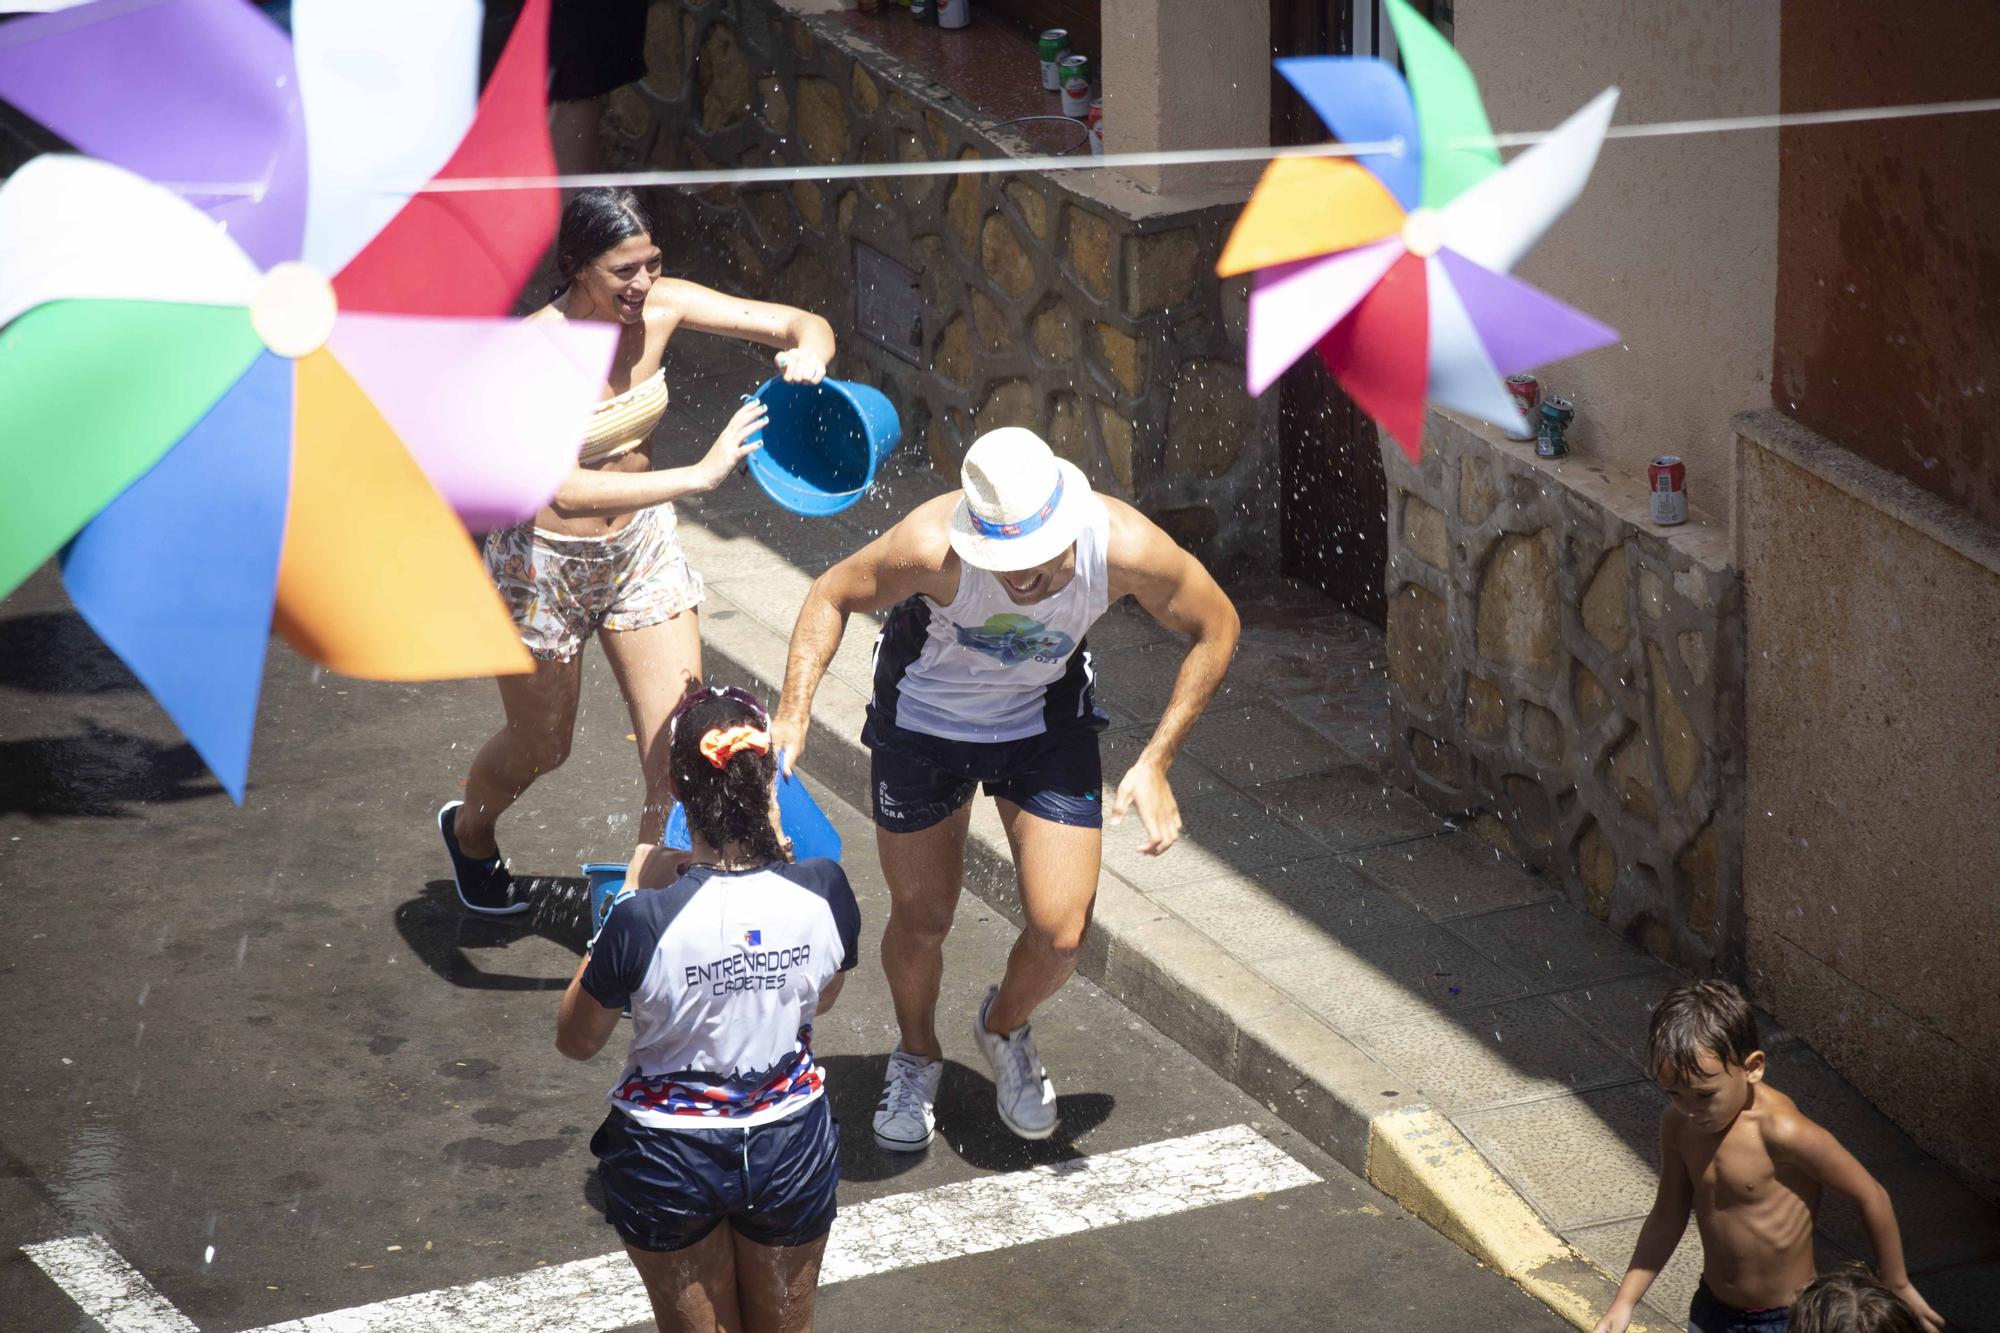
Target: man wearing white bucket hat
(982, 677)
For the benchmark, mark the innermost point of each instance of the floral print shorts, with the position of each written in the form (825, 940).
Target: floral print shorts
(561, 590)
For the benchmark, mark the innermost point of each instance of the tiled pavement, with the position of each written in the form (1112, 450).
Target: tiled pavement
(1470, 977)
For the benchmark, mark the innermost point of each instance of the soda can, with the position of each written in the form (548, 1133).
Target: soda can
(920, 10)
(1075, 85)
(1054, 45)
(1552, 421)
(1093, 126)
(953, 13)
(1526, 391)
(1666, 478)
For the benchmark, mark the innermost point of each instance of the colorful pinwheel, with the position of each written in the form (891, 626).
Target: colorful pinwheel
(227, 437)
(1394, 265)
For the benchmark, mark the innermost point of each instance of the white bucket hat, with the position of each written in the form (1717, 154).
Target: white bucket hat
(1021, 504)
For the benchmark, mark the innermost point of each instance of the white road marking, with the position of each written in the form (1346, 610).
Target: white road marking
(110, 1290)
(878, 1236)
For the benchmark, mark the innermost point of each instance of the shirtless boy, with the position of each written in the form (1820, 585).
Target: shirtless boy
(1752, 1167)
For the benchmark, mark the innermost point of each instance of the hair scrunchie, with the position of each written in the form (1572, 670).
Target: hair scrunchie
(725, 743)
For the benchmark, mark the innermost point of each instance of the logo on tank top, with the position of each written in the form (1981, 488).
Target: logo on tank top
(1014, 638)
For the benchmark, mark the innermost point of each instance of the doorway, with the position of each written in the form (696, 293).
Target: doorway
(1334, 511)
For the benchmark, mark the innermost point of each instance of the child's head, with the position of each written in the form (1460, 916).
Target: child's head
(721, 768)
(1851, 1300)
(1702, 1048)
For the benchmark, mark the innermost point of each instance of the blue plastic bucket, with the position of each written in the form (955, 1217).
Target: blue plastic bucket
(812, 833)
(607, 884)
(822, 443)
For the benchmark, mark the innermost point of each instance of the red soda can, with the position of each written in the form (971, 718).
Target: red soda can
(1527, 393)
(1666, 479)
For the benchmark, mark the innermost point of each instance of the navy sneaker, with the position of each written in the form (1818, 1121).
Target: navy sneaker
(484, 885)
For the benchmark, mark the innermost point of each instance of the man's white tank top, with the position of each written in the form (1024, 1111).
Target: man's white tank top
(985, 669)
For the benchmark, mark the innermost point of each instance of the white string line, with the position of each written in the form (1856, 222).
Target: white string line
(999, 166)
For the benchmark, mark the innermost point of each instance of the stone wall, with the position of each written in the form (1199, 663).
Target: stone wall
(1577, 675)
(1104, 330)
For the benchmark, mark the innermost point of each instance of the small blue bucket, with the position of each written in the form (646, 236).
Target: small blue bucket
(607, 887)
(822, 443)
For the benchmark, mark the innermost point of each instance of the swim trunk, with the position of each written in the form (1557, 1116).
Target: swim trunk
(916, 780)
(594, 45)
(665, 1189)
(1707, 1314)
(561, 590)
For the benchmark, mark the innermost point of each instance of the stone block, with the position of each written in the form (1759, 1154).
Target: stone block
(1605, 618)
(1680, 752)
(665, 59)
(1652, 593)
(1485, 707)
(952, 357)
(776, 225)
(628, 113)
(875, 152)
(806, 282)
(963, 207)
(1632, 776)
(1090, 245)
(1533, 810)
(1052, 334)
(846, 211)
(1124, 356)
(1596, 869)
(1518, 624)
(1541, 733)
(1010, 403)
(1163, 270)
(1003, 257)
(746, 265)
(939, 132)
(1069, 435)
(937, 279)
(996, 332)
(1116, 431)
(1693, 647)
(1419, 646)
(1490, 830)
(774, 107)
(915, 192)
(1476, 492)
(803, 42)
(1593, 701)
(867, 97)
(810, 200)
(1034, 206)
(1210, 418)
(722, 79)
(1438, 760)
(1189, 525)
(944, 456)
(1696, 865)
(822, 120)
(1424, 533)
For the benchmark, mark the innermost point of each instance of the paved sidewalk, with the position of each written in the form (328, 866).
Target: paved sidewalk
(1436, 1016)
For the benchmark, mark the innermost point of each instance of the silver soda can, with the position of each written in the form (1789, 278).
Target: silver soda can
(1075, 86)
(1054, 46)
(953, 13)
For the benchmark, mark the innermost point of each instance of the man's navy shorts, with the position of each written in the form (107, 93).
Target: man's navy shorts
(665, 1189)
(915, 780)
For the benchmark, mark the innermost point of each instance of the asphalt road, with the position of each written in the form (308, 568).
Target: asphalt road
(261, 1052)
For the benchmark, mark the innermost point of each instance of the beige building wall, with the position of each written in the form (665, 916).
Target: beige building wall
(1872, 847)
(1674, 243)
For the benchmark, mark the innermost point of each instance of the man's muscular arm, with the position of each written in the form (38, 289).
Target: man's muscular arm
(913, 557)
(1179, 592)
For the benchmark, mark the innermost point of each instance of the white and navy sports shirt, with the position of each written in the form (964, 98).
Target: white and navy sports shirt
(986, 670)
(723, 971)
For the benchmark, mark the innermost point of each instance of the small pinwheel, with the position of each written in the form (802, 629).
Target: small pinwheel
(266, 410)
(1394, 264)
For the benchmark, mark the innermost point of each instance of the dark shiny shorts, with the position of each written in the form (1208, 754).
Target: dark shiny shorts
(666, 1189)
(1707, 1314)
(915, 781)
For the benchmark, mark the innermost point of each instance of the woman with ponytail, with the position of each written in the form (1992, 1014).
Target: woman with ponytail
(720, 1113)
(604, 558)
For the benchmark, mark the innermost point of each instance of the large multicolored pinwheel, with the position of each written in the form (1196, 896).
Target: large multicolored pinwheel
(1394, 264)
(266, 410)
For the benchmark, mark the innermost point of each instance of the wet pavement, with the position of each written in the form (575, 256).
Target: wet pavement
(262, 1053)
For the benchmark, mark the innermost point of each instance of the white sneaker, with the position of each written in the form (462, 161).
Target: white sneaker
(905, 1119)
(1026, 1098)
